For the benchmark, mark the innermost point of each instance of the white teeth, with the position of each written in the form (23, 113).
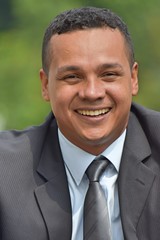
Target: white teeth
(93, 112)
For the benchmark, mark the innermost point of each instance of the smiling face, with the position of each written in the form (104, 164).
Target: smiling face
(90, 85)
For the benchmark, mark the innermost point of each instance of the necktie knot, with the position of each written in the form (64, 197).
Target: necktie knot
(96, 168)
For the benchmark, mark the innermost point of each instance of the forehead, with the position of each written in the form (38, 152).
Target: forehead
(89, 43)
(92, 34)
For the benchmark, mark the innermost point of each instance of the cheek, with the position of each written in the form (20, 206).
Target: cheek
(123, 90)
(60, 101)
(121, 97)
(116, 92)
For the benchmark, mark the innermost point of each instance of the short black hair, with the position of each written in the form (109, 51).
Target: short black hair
(84, 18)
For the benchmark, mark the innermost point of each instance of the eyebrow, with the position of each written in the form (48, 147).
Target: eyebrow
(68, 68)
(110, 65)
(101, 66)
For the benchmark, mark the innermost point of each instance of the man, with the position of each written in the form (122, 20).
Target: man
(89, 76)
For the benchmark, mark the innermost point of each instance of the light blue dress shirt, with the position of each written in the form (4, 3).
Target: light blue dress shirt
(76, 162)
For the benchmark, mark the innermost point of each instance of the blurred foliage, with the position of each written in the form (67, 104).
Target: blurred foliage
(22, 25)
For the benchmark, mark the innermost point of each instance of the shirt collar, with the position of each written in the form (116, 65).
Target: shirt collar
(77, 160)
(114, 152)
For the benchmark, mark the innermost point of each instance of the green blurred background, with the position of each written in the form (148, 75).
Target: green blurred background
(22, 25)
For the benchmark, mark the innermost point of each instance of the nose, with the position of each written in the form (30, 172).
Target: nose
(92, 89)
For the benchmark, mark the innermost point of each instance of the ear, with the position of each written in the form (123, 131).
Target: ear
(44, 85)
(134, 79)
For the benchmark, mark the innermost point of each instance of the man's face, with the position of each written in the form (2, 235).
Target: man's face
(90, 86)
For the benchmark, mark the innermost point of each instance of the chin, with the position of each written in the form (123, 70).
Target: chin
(95, 140)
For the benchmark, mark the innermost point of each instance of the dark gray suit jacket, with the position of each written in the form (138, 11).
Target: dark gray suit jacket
(34, 195)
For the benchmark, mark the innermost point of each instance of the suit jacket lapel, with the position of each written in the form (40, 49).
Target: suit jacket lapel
(135, 178)
(53, 196)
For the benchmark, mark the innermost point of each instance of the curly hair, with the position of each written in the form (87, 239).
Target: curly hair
(84, 18)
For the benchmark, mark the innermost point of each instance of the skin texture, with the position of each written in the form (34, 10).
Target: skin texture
(90, 71)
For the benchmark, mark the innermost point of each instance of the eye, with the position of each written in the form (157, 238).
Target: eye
(109, 74)
(71, 78)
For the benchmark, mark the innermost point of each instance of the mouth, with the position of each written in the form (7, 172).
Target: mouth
(94, 113)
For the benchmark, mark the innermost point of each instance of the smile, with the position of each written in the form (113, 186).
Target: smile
(94, 113)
